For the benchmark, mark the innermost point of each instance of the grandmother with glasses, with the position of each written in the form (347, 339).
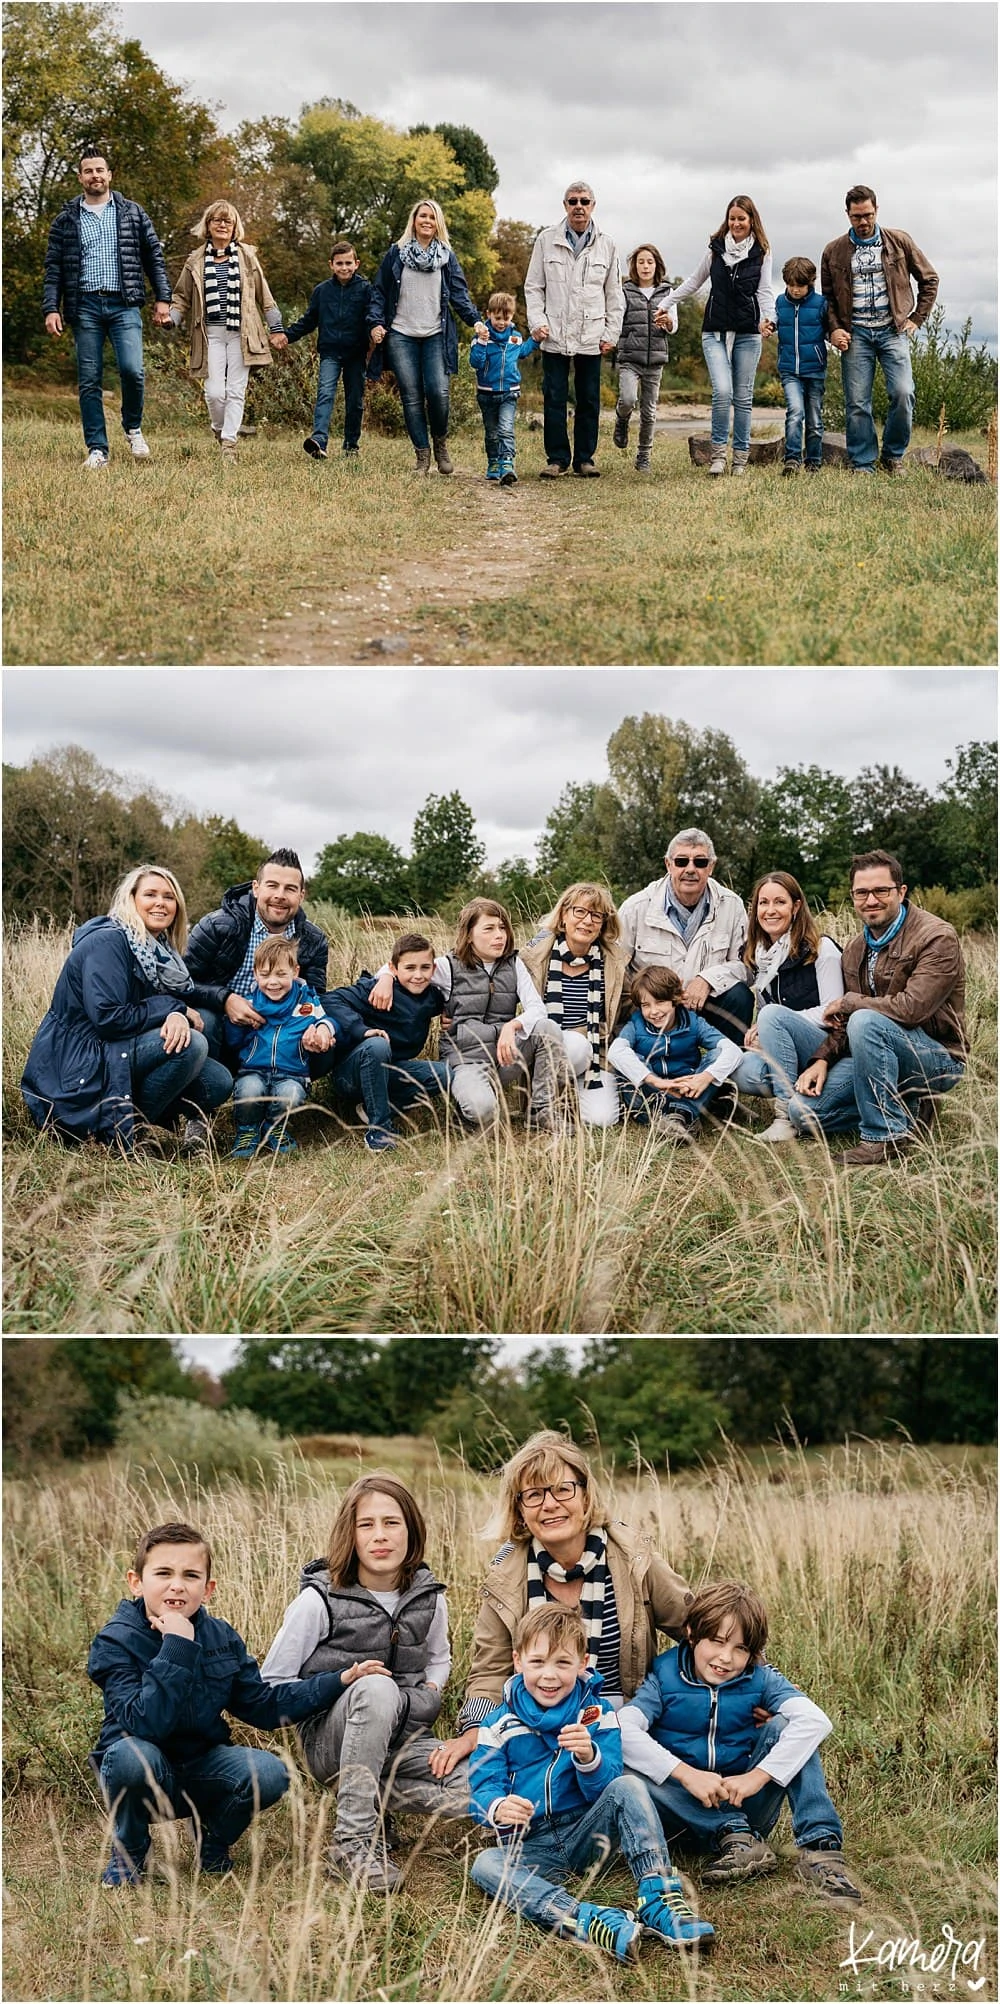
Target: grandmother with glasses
(561, 1546)
(579, 970)
(688, 921)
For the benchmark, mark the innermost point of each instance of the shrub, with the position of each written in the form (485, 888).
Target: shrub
(973, 910)
(383, 409)
(162, 1432)
(947, 370)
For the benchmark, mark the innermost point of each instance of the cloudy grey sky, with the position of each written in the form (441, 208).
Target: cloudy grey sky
(301, 756)
(667, 109)
(217, 1353)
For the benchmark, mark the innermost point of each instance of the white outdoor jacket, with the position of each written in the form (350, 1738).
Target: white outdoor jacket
(580, 298)
(651, 938)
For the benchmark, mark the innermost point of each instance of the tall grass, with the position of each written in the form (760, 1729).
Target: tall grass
(877, 1566)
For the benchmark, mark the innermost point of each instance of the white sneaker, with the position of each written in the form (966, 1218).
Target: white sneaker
(140, 449)
(779, 1130)
(95, 459)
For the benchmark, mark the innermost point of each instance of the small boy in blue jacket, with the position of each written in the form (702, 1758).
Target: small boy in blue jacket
(546, 1775)
(496, 356)
(672, 1060)
(803, 325)
(383, 1062)
(273, 1075)
(716, 1775)
(339, 310)
(168, 1670)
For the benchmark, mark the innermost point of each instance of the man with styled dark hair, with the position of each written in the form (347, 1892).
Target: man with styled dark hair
(101, 250)
(867, 280)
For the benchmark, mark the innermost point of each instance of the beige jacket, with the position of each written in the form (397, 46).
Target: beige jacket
(255, 301)
(648, 1594)
(536, 959)
(580, 298)
(715, 953)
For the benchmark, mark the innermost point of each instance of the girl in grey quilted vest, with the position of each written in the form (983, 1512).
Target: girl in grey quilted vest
(374, 1611)
(482, 1038)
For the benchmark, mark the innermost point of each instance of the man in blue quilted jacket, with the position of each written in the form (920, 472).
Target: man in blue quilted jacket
(101, 250)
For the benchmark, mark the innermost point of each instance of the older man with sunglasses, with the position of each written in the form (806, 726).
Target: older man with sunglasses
(575, 305)
(689, 922)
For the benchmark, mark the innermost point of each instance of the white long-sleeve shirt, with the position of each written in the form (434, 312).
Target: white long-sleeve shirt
(829, 979)
(306, 1625)
(765, 287)
(622, 1058)
(805, 1728)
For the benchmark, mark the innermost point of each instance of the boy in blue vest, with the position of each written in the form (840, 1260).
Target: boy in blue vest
(168, 1670)
(716, 1778)
(382, 1046)
(546, 1775)
(339, 310)
(496, 356)
(273, 1076)
(672, 1060)
(803, 325)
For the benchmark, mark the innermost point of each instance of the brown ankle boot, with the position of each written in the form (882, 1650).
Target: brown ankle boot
(444, 464)
(423, 453)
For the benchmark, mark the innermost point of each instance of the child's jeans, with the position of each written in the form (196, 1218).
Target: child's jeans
(267, 1096)
(226, 382)
(732, 380)
(528, 1872)
(640, 1102)
(814, 1818)
(630, 382)
(224, 1788)
(498, 425)
(386, 1086)
(331, 367)
(804, 404)
(356, 1742)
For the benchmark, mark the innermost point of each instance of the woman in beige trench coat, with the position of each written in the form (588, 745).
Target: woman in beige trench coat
(223, 293)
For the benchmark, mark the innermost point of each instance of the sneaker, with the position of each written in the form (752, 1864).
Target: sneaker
(791, 466)
(378, 1138)
(508, 477)
(121, 1871)
(620, 437)
(94, 460)
(863, 469)
(279, 1141)
(642, 464)
(741, 1856)
(587, 470)
(553, 471)
(229, 448)
(894, 467)
(196, 1138)
(140, 450)
(351, 451)
(779, 1130)
(314, 447)
(717, 463)
(824, 1871)
(371, 1869)
(614, 1929)
(666, 1915)
(814, 466)
(246, 1144)
(493, 470)
(672, 1126)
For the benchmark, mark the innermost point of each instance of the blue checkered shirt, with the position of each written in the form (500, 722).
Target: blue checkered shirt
(244, 980)
(100, 270)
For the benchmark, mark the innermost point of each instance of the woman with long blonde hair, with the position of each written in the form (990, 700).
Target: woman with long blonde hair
(232, 317)
(420, 284)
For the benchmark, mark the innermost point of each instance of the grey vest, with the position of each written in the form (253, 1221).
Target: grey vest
(359, 1627)
(479, 1005)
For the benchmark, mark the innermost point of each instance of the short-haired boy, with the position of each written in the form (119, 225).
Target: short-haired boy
(384, 1065)
(672, 1059)
(339, 310)
(803, 324)
(273, 1075)
(168, 1670)
(496, 355)
(546, 1775)
(690, 1730)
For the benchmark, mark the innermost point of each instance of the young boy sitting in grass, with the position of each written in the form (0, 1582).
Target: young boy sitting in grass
(168, 1671)
(546, 1775)
(273, 1076)
(384, 1066)
(714, 1776)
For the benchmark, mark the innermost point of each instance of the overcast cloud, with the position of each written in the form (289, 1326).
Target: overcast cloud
(668, 110)
(302, 756)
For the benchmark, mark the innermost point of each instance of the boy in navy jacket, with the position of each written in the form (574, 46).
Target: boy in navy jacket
(273, 1075)
(546, 1775)
(382, 1061)
(803, 324)
(692, 1729)
(673, 1060)
(496, 356)
(168, 1670)
(339, 310)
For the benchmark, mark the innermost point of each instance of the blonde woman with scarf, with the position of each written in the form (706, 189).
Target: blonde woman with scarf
(739, 311)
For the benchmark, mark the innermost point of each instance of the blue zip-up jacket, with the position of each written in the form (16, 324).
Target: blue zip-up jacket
(277, 1047)
(497, 361)
(710, 1726)
(517, 1753)
(672, 1053)
(406, 1024)
(340, 314)
(385, 299)
(173, 1691)
(802, 329)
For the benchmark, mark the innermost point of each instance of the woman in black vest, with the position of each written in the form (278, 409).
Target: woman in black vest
(794, 970)
(739, 311)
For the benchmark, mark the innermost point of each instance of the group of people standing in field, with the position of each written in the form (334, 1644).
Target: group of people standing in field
(580, 1737)
(876, 290)
(662, 1012)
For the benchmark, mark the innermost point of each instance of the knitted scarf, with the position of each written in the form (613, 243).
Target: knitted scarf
(592, 1569)
(213, 309)
(876, 941)
(161, 964)
(733, 252)
(417, 258)
(595, 997)
(767, 961)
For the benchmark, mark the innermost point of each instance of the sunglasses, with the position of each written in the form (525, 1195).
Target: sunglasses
(681, 862)
(578, 202)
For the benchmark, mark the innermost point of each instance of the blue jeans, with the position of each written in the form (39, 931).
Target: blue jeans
(753, 1076)
(528, 1873)
(788, 1043)
(267, 1096)
(386, 1087)
(857, 368)
(887, 1068)
(224, 1788)
(814, 1818)
(331, 367)
(731, 1012)
(163, 1084)
(732, 385)
(804, 405)
(100, 314)
(418, 366)
(498, 425)
(555, 401)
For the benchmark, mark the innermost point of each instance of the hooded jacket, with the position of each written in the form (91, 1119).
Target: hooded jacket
(497, 360)
(139, 257)
(218, 943)
(172, 1690)
(711, 1726)
(517, 1753)
(277, 1047)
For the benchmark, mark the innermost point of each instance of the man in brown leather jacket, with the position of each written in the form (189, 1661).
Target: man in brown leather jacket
(867, 280)
(897, 1034)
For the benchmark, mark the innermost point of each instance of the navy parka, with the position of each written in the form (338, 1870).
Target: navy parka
(406, 1024)
(385, 299)
(340, 314)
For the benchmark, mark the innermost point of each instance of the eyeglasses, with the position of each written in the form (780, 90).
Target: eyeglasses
(579, 202)
(582, 912)
(883, 891)
(560, 1492)
(700, 862)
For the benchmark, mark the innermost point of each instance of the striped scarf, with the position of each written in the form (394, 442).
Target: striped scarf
(592, 1569)
(213, 309)
(595, 998)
